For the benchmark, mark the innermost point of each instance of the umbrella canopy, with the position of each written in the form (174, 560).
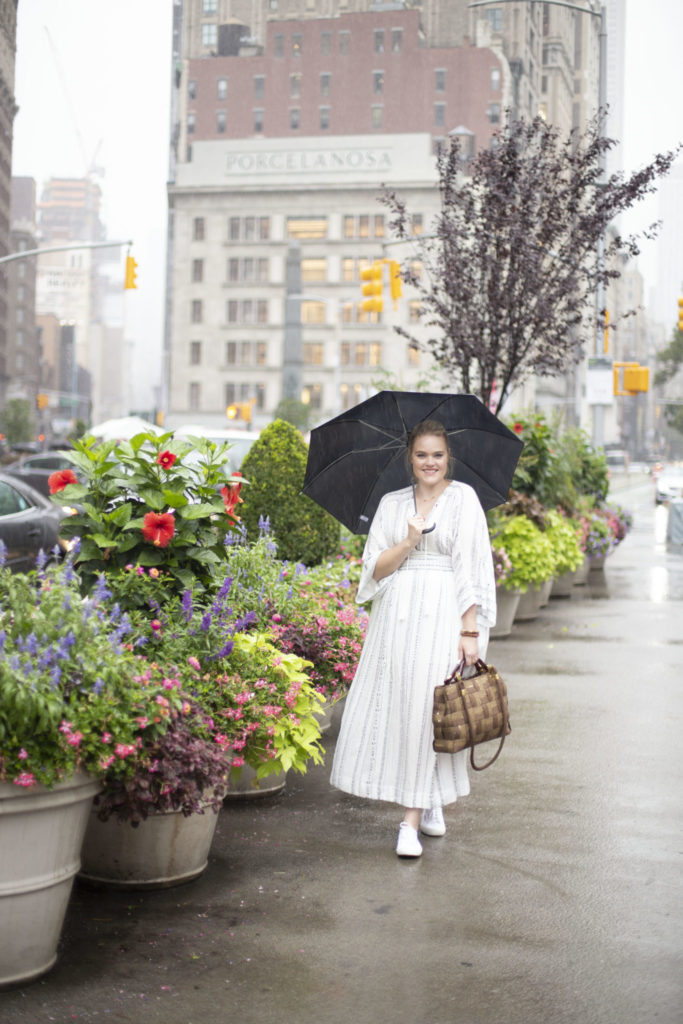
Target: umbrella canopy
(359, 456)
(123, 429)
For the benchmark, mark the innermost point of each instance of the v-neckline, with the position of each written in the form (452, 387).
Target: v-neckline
(432, 509)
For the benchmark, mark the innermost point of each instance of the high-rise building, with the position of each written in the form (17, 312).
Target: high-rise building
(285, 129)
(8, 108)
(22, 352)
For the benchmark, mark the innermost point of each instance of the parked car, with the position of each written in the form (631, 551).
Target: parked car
(35, 469)
(240, 441)
(669, 484)
(29, 523)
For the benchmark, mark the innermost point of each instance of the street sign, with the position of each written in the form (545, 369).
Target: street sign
(599, 381)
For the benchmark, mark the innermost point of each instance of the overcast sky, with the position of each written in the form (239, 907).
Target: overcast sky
(92, 85)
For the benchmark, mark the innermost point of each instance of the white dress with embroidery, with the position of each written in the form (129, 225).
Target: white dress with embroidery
(384, 750)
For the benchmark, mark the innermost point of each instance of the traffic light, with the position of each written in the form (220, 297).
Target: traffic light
(131, 273)
(372, 288)
(680, 314)
(42, 401)
(239, 411)
(395, 283)
(636, 378)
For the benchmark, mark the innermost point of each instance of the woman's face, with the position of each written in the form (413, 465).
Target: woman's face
(429, 459)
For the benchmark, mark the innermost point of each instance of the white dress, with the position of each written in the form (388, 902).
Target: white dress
(384, 750)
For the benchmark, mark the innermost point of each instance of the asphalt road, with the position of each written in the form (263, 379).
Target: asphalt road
(555, 897)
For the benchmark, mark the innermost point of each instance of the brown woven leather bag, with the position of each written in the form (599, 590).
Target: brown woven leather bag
(470, 711)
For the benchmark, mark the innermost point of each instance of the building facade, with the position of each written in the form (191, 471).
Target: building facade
(285, 130)
(22, 352)
(8, 109)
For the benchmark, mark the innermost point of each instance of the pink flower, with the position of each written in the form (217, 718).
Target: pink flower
(66, 727)
(237, 762)
(25, 779)
(156, 625)
(74, 739)
(107, 762)
(124, 749)
(194, 663)
(154, 573)
(140, 571)
(106, 737)
(22, 755)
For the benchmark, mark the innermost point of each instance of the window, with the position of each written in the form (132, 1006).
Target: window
(247, 311)
(495, 79)
(495, 19)
(231, 353)
(195, 353)
(233, 270)
(378, 82)
(348, 268)
(414, 311)
(197, 270)
(264, 228)
(324, 118)
(413, 354)
(194, 395)
(222, 88)
(311, 395)
(344, 42)
(262, 311)
(220, 121)
(360, 354)
(312, 312)
(396, 40)
(245, 353)
(192, 90)
(190, 124)
(379, 40)
(326, 43)
(440, 114)
(234, 229)
(296, 44)
(295, 85)
(379, 225)
(494, 113)
(196, 312)
(314, 353)
(417, 224)
(294, 118)
(377, 116)
(364, 226)
(188, 154)
(375, 354)
(209, 35)
(314, 269)
(260, 393)
(349, 227)
(325, 83)
(20, 315)
(346, 317)
(232, 311)
(278, 45)
(19, 338)
(198, 229)
(261, 353)
(307, 227)
(259, 86)
(209, 6)
(230, 394)
(249, 229)
(262, 269)
(258, 119)
(439, 80)
(248, 269)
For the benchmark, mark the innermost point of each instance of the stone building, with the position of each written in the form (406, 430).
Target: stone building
(8, 109)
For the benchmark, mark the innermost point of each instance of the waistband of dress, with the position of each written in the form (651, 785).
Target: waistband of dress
(426, 560)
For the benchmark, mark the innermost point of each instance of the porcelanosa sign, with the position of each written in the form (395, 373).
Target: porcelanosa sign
(308, 161)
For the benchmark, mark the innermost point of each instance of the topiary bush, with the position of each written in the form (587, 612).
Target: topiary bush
(275, 467)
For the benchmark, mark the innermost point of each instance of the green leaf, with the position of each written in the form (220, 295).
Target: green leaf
(199, 510)
(152, 498)
(205, 556)
(150, 556)
(103, 541)
(121, 515)
(174, 499)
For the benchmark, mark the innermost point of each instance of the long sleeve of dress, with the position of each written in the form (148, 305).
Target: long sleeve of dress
(473, 562)
(377, 542)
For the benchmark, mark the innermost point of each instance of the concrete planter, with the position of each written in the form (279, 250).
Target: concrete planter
(164, 850)
(248, 787)
(564, 584)
(41, 833)
(506, 607)
(545, 591)
(582, 572)
(529, 605)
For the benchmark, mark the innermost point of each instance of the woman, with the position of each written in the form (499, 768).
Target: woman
(428, 569)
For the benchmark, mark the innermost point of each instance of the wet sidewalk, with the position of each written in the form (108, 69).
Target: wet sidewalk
(555, 897)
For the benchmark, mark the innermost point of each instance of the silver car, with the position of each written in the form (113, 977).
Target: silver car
(29, 523)
(669, 484)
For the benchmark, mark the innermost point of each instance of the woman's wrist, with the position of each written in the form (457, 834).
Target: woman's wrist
(469, 632)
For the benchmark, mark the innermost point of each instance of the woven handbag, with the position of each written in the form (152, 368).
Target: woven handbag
(470, 711)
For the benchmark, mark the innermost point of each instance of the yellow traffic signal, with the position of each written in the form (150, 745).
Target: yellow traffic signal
(372, 276)
(42, 401)
(636, 378)
(680, 314)
(395, 283)
(239, 411)
(231, 412)
(131, 273)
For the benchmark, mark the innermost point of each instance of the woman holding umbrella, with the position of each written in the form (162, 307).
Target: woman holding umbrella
(428, 570)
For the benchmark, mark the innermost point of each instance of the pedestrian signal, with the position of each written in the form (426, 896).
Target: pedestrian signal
(372, 288)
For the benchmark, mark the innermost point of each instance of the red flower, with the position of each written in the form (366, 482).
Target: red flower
(518, 428)
(166, 459)
(231, 496)
(158, 527)
(58, 481)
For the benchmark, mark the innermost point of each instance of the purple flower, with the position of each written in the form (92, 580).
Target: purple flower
(187, 604)
(3, 552)
(206, 622)
(101, 591)
(41, 559)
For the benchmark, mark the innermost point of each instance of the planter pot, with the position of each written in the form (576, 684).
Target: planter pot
(545, 591)
(247, 787)
(564, 584)
(582, 573)
(164, 850)
(506, 606)
(41, 833)
(326, 712)
(529, 605)
(596, 562)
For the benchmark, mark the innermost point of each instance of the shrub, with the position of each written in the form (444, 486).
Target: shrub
(564, 535)
(275, 467)
(529, 550)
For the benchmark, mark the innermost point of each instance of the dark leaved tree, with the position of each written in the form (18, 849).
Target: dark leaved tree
(510, 267)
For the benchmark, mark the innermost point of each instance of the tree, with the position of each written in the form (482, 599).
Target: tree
(16, 420)
(671, 359)
(510, 272)
(291, 410)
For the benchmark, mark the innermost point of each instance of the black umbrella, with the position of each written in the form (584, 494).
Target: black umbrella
(359, 456)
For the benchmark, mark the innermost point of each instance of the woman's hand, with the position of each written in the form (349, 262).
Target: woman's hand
(415, 527)
(468, 648)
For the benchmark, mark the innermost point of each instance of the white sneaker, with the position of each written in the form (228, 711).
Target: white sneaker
(432, 823)
(408, 844)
